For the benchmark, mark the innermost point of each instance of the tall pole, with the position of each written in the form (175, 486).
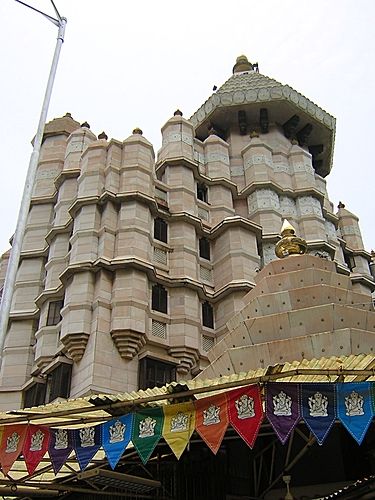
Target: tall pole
(15, 252)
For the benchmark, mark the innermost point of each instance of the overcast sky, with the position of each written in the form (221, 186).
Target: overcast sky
(126, 64)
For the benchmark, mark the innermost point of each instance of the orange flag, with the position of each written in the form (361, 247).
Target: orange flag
(211, 420)
(179, 423)
(11, 445)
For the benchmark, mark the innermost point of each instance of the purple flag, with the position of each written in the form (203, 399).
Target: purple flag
(282, 408)
(318, 408)
(87, 442)
(60, 447)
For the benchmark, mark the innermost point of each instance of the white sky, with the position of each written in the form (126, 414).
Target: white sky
(127, 64)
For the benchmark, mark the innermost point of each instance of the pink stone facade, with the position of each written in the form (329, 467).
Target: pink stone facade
(225, 177)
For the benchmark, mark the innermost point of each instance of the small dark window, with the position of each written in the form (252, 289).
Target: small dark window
(34, 395)
(54, 312)
(349, 261)
(159, 299)
(58, 382)
(160, 230)
(202, 192)
(207, 315)
(153, 373)
(204, 248)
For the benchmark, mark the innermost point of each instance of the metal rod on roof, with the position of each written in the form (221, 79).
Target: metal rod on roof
(23, 213)
(200, 390)
(55, 487)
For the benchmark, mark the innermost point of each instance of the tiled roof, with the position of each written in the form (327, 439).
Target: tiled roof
(246, 81)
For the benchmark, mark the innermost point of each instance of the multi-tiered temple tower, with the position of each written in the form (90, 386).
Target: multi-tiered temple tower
(133, 269)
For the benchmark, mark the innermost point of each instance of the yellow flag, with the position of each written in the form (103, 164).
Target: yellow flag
(179, 424)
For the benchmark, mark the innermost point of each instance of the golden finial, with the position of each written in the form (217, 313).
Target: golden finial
(290, 244)
(242, 64)
(137, 131)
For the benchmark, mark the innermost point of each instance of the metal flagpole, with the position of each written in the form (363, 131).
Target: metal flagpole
(15, 252)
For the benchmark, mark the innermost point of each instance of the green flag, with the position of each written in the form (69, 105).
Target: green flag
(147, 431)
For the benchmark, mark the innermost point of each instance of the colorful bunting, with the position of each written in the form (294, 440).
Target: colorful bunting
(211, 420)
(318, 408)
(116, 435)
(282, 408)
(11, 445)
(35, 446)
(60, 447)
(147, 431)
(179, 424)
(354, 407)
(317, 403)
(246, 412)
(87, 442)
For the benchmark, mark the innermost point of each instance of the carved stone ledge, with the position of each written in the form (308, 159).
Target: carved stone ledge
(128, 342)
(75, 344)
(188, 358)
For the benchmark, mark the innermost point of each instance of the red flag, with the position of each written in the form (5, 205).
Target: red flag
(211, 420)
(35, 446)
(246, 412)
(11, 445)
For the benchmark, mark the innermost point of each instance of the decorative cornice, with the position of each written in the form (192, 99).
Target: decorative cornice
(187, 357)
(75, 344)
(128, 342)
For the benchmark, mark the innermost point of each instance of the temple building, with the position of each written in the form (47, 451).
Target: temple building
(139, 270)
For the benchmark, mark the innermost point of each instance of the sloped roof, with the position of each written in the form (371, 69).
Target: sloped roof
(246, 80)
(252, 87)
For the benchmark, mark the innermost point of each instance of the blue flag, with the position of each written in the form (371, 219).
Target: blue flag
(87, 442)
(116, 435)
(354, 407)
(318, 408)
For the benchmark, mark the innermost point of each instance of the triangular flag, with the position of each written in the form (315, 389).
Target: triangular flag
(246, 412)
(87, 442)
(354, 407)
(35, 446)
(147, 430)
(60, 447)
(116, 435)
(179, 424)
(211, 420)
(283, 408)
(11, 445)
(318, 408)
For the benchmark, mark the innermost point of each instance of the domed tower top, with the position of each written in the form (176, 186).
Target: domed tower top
(249, 100)
(242, 64)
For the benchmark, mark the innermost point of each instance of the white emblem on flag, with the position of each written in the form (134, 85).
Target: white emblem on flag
(318, 405)
(147, 427)
(12, 443)
(87, 436)
(211, 415)
(245, 407)
(354, 404)
(282, 405)
(117, 432)
(37, 440)
(61, 439)
(180, 422)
